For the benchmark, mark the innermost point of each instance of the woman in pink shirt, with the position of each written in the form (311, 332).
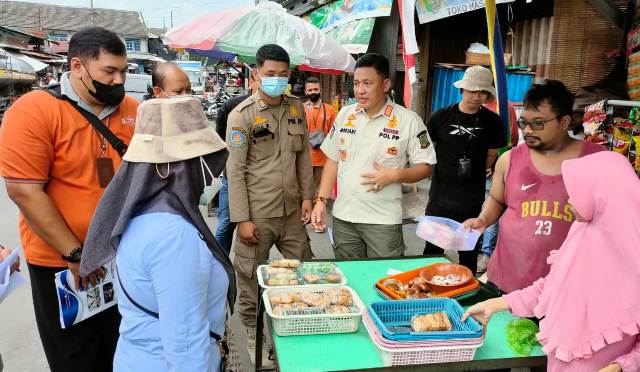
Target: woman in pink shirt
(589, 302)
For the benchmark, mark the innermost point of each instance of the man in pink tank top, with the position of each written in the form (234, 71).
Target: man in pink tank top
(528, 191)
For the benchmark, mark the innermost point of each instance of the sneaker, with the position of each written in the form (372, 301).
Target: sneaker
(483, 260)
(251, 349)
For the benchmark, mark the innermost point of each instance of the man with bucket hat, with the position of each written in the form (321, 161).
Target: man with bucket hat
(467, 137)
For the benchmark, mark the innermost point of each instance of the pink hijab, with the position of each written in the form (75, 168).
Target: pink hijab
(591, 297)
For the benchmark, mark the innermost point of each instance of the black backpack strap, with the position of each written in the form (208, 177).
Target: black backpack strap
(96, 123)
(212, 334)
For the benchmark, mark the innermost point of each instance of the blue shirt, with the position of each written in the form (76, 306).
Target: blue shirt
(167, 268)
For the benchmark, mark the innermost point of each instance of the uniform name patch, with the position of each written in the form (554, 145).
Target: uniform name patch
(389, 136)
(347, 130)
(238, 137)
(294, 121)
(424, 139)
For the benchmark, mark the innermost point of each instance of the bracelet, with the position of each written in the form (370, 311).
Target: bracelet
(321, 199)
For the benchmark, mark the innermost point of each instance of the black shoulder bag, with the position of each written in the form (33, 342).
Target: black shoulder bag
(96, 123)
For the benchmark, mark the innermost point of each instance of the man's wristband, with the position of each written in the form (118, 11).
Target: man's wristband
(74, 256)
(321, 199)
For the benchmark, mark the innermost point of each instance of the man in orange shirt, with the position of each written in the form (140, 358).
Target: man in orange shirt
(320, 118)
(56, 167)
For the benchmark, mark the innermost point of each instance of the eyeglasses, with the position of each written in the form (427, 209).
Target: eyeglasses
(535, 124)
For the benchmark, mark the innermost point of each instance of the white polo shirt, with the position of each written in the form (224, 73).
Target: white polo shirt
(395, 137)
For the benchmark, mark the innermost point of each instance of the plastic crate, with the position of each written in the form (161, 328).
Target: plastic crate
(313, 324)
(393, 318)
(446, 233)
(409, 353)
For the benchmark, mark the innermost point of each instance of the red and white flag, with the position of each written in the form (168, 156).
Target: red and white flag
(407, 10)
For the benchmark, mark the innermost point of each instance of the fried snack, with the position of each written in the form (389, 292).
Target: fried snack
(431, 322)
(340, 296)
(411, 293)
(274, 282)
(316, 299)
(285, 298)
(269, 270)
(279, 310)
(337, 309)
(286, 263)
(311, 278)
(333, 278)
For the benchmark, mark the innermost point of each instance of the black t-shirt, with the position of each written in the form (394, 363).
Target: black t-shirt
(458, 135)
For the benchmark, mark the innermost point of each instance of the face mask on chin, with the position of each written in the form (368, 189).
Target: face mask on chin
(108, 94)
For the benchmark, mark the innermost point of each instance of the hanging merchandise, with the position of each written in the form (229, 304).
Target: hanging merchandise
(633, 76)
(593, 123)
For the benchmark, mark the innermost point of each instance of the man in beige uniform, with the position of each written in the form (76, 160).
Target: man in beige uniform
(270, 177)
(368, 151)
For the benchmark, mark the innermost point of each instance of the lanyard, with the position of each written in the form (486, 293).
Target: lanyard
(324, 118)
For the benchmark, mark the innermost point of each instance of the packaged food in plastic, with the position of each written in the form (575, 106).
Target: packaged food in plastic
(446, 233)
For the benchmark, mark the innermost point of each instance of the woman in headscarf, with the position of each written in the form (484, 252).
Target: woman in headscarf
(589, 302)
(173, 279)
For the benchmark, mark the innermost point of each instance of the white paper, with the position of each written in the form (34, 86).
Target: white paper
(77, 305)
(391, 272)
(9, 282)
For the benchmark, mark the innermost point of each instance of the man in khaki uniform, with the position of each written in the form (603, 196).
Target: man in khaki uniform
(270, 178)
(368, 151)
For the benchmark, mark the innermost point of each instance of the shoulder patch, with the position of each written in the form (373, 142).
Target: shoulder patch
(423, 138)
(237, 137)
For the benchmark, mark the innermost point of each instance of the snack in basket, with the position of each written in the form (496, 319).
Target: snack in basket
(285, 298)
(269, 270)
(316, 299)
(337, 309)
(279, 310)
(286, 263)
(311, 278)
(340, 296)
(273, 282)
(447, 280)
(333, 278)
(431, 322)
(396, 286)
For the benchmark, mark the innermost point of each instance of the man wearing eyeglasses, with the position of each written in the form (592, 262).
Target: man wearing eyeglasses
(467, 137)
(528, 190)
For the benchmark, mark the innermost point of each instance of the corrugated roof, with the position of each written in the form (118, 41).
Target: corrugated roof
(65, 18)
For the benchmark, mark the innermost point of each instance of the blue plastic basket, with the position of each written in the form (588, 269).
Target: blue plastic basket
(393, 318)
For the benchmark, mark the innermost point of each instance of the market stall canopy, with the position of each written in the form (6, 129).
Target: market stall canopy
(350, 23)
(18, 62)
(242, 31)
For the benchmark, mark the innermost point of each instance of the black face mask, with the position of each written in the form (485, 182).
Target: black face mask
(110, 95)
(314, 97)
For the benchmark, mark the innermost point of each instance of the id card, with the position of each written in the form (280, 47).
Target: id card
(105, 171)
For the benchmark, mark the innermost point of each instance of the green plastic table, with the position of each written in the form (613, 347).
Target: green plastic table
(356, 351)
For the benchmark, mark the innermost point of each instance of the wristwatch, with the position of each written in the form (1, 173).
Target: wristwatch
(74, 256)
